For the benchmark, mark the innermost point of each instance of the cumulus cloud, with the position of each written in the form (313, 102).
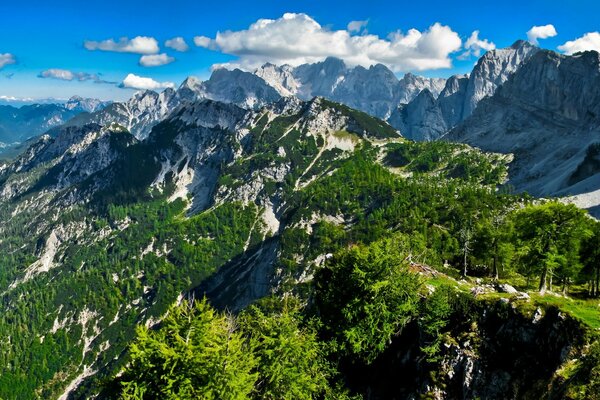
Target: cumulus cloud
(155, 60)
(137, 45)
(15, 99)
(540, 32)
(6, 59)
(203, 41)
(297, 38)
(132, 81)
(177, 43)
(357, 26)
(474, 46)
(66, 75)
(589, 41)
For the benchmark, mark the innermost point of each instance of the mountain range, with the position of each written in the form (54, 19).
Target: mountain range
(547, 115)
(243, 186)
(419, 108)
(18, 124)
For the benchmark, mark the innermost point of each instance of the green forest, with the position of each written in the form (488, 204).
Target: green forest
(393, 250)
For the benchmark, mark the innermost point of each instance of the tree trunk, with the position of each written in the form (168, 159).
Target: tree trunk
(543, 280)
(495, 267)
(597, 281)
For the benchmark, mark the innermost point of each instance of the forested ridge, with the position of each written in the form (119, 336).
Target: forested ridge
(386, 250)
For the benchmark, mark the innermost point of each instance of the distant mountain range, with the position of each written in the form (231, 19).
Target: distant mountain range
(519, 99)
(18, 124)
(375, 91)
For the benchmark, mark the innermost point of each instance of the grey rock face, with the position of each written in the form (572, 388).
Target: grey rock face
(374, 90)
(462, 94)
(548, 115)
(421, 119)
(492, 70)
(238, 87)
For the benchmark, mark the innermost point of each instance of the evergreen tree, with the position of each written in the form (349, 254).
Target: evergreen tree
(366, 294)
(196, 354)
(291, 361)
(550, 235)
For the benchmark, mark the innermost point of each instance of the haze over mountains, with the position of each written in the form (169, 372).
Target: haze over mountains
(21, 123)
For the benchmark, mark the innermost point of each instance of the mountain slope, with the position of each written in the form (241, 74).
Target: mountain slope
(462, 94)
(103, 232)
(375, 90)
(115, 229)
(547, 115)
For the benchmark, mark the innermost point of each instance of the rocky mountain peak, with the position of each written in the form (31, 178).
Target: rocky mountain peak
(79, 103)
(493, 69)
(421, 119)
(191, 82)
(211, 114)
(333, 64)
(460, 95)
(281, 78)
(548, 115)
(520, 43)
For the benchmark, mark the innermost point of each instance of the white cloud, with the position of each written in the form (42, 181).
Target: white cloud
(66, 75)
(132, 81)
(297, 38)
(63, 74)
(589, 41)
(177, 43)
(203, 41)
(6, 59)
(15, 99)
(155, 60)
(357, 26)
(540, 32)
(474, 46)
(138, 45)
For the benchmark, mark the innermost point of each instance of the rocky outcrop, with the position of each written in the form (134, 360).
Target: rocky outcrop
(498, 351)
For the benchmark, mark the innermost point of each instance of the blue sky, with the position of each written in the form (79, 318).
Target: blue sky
(44, 35)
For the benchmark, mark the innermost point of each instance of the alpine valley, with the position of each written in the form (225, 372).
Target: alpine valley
(310, 232)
